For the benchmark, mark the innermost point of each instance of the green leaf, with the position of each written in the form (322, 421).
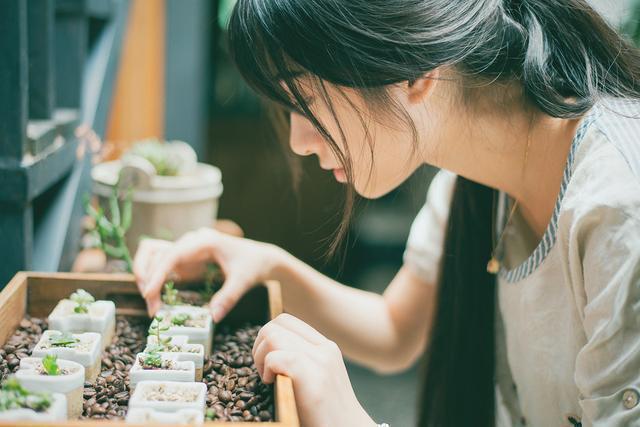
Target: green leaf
(151, 359)
(50, 365)
(65, 339)
(126, 211)
(180, 319)
(114, 209)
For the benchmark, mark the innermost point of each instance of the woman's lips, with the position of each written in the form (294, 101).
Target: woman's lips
(340, 175)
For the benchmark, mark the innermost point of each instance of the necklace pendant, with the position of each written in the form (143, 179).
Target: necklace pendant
(493, 266)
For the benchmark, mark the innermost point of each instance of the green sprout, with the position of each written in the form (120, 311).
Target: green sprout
(156, 153)
(156, 329)
(180, 319)
(212, 279)
(170, 296)
(82, 299)
(151, 360)
(210, 414)
(111, 232)
(14, 396)
(50, 365)
(64, 339)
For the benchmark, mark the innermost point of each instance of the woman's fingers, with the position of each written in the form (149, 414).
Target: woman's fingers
(228, 296)
(148, 251)
(274, 337)
(285, 362)
(298, 326)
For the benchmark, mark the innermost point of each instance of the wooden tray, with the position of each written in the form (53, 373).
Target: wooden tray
(37, 293)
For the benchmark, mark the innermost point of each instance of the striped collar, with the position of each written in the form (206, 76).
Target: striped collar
(549, 238)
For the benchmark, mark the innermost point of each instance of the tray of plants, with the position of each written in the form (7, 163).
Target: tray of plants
(78, 349)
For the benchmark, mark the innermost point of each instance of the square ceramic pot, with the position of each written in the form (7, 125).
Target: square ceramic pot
(70, 383)
(101, 318)
(169, 396)
(192, 417)
(180, 347)
(175, 370)
(198, 329)
(56, 412)
(86, 351)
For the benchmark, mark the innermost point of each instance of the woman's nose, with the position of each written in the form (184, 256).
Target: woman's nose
(304, 139)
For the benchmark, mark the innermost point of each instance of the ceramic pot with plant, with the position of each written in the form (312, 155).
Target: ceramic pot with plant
(193, 322)
(169, 396)
(84, 349)
(180, 347)
(192, 417)
(19, 404)
(172, 193)
(82, 313)
(52, 375)
(156, 366)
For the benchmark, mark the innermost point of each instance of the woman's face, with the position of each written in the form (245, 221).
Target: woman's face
(382, 156)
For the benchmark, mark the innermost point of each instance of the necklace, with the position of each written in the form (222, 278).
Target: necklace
(493, 266)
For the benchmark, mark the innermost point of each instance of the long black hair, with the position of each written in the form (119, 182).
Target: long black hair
(563, 56)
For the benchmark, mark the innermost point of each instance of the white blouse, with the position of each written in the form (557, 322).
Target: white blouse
(568, 324)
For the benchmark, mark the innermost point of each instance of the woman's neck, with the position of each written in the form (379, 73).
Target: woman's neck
(520, 152)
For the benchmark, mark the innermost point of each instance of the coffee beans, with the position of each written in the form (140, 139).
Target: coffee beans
(235, 392)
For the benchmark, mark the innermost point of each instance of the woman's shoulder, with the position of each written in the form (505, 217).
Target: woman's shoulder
(606, 167)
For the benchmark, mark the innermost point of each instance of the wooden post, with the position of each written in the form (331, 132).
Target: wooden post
(14, 81)
(40, 14)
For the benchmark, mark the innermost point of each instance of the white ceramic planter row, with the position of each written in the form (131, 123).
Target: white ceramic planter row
(185, 352)
(101, 319)
(165, 400)
(86, 352)
(191, 417)
(56, 412)
(69, 384)
(195, 335)
(179, 371)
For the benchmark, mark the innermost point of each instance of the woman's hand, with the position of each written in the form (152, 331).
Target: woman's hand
(244, 263)
(324, 395)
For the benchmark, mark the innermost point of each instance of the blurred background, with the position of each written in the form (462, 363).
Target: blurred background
(81, 79)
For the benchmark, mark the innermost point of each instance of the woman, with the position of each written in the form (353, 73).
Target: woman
(522, 273)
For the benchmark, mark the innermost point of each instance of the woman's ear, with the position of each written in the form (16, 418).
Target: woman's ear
(419, 89)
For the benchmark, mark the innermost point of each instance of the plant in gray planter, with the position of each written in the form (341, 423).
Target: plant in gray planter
(19, 404)
(172, 193)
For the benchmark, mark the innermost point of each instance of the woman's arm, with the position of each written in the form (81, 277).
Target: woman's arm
(384, 332)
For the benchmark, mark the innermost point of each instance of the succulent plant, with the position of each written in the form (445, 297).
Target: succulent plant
(111, 232)
(64, 339)
(82, 299)
(50, 365)
(14, 396)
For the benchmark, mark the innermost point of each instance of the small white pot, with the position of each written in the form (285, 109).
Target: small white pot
(169, 396)
(182, 371)
(151, 416)
(87, 352)
(196, 335)
(101, 319)
(188, 352)
(56, 412)
(71, 384)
